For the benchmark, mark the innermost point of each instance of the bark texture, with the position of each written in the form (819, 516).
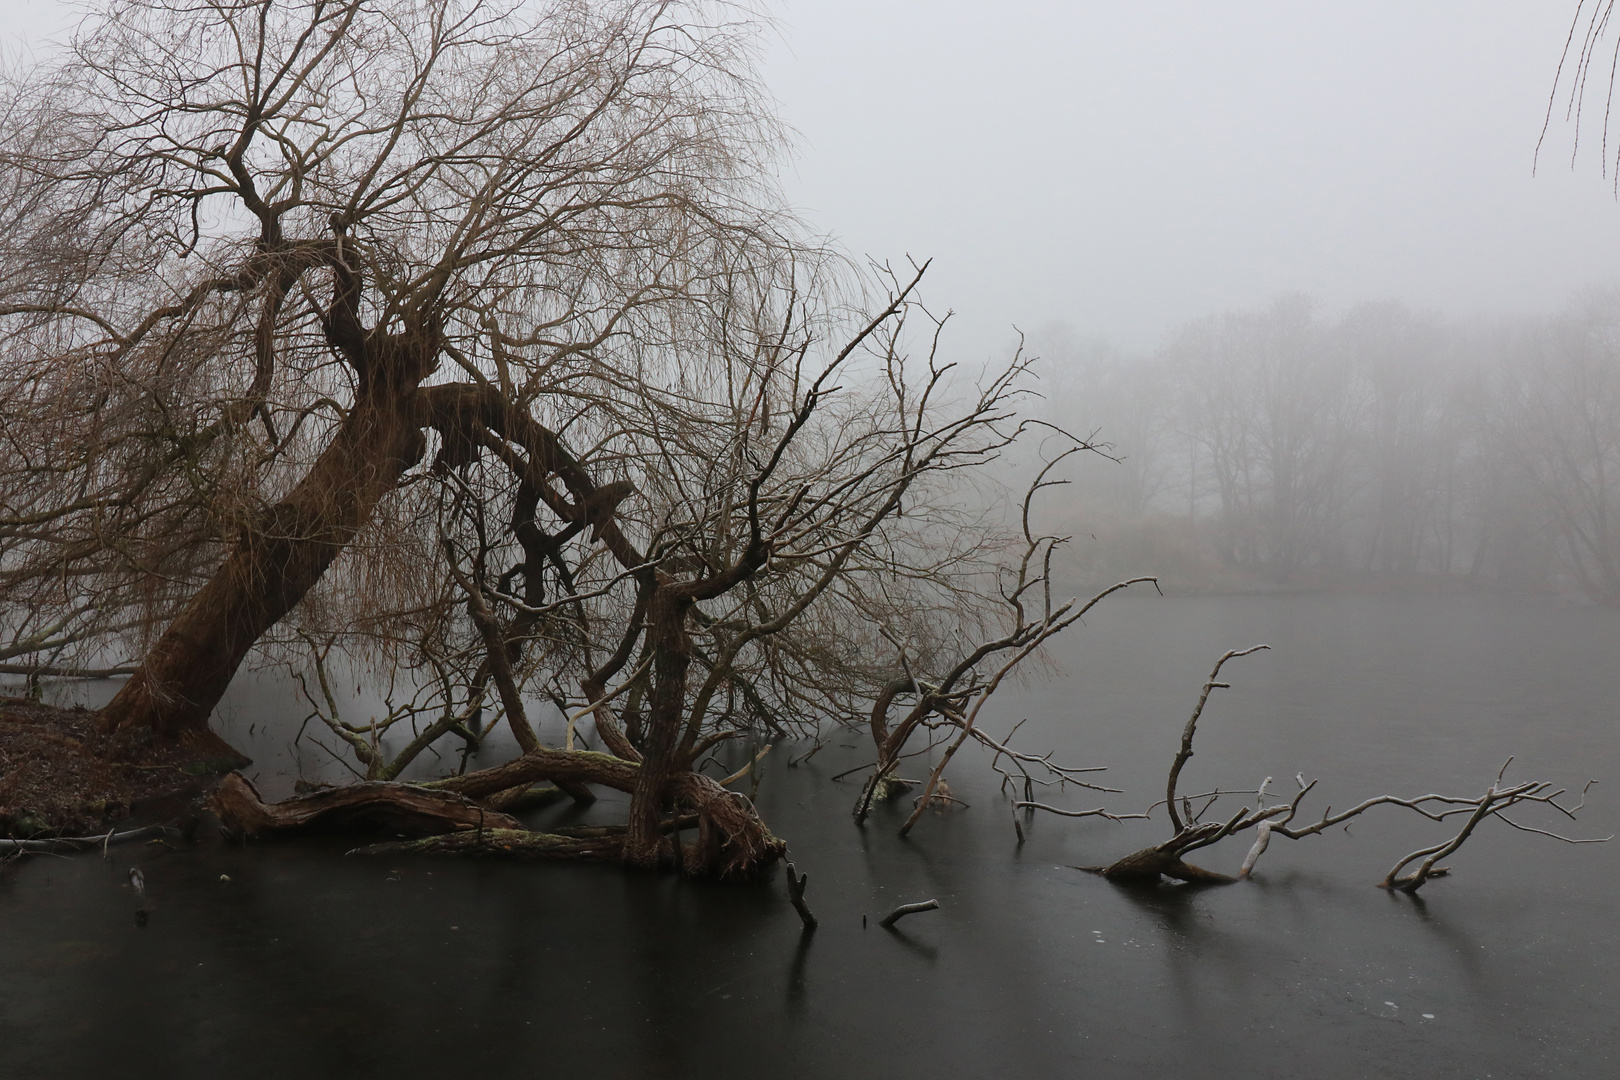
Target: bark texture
(271, 569)
(386, 807)
(731, 841)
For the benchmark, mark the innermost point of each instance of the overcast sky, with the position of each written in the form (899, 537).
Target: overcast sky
(1122, 166)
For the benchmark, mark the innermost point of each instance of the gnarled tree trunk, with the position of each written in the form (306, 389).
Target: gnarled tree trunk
(645, 845)
(272, 567)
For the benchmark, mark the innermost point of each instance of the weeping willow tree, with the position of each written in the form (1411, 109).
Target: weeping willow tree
(472, 339)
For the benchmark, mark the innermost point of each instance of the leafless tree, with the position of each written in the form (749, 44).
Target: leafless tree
(475, 337)
(720, 599)
(1556, 409)
(949, 688)
(251, 245)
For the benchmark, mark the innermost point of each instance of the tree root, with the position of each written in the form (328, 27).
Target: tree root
(732, 842)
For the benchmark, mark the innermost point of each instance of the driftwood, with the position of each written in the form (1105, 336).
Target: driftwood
(386, 807)
(63, 844)
(1167, 859)
(903, 910)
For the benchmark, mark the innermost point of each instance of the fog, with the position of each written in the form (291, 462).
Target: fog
(1125, 167)
(1327, 287)
(1225, 227)
(1288, 444)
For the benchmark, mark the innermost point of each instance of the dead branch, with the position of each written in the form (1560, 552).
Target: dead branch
(86, 843)
(960, 693)
(1190, 833)
(514, 843)
(1099, 812)
(1186, 751)
(888, 921)
(796, 884)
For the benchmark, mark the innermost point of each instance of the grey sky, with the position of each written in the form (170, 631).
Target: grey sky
(1123, 166)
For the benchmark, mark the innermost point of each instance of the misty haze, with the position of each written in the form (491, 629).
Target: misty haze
(812, 540)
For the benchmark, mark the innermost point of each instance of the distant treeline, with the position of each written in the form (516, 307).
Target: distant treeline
(1280, 443)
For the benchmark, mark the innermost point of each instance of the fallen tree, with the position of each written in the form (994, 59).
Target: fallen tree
(395, 808)
(1167, 859)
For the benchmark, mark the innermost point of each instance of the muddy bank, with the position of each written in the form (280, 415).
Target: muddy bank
(60, 777)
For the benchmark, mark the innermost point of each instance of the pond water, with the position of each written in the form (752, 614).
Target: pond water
(310, 963)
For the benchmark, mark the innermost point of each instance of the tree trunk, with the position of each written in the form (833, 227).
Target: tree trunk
(1164, 860)
(386, 807)
(882, 785)
(644, 844)
(1149, 864)
(732, 842)
(270, 570)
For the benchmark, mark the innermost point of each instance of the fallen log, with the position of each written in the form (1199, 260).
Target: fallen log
(385, 807)
(732, 842)
(519, 843)
(567, 842)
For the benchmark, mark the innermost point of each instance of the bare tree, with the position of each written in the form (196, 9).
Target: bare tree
(714, 597)
(473, 337)
(247, 244)
(1557, 411)
(949, 689)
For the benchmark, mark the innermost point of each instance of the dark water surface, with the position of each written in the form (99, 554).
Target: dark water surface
(311, 964)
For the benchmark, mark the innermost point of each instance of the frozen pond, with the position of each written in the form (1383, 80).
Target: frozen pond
(309, 963)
